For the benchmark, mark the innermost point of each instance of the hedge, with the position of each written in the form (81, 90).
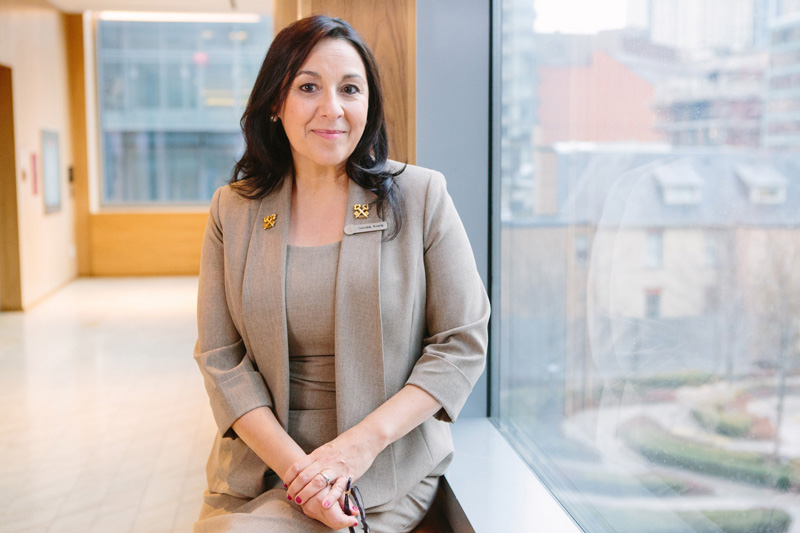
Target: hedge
(728, 423)
(661, 447)
(703, 521)
(750, 521)
(620, 485)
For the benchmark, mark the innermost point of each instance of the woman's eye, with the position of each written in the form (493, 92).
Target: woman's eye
(351, 89)
(307, 87)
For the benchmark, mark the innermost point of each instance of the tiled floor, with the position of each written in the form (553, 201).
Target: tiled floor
(105, 424)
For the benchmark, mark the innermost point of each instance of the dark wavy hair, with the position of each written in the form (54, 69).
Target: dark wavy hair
(267, 158)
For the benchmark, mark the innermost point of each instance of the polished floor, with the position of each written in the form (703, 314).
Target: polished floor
(105, 424)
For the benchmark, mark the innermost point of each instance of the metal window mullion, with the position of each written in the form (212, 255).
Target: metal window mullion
(495, 195)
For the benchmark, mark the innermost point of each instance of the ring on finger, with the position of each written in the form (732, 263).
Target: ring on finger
(327, 479)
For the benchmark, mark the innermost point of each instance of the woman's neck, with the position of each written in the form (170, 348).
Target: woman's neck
(318, 208)
(312, 179)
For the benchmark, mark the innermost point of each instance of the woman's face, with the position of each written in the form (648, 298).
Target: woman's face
(325, 111)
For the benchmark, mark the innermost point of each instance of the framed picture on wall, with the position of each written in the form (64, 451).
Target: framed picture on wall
(51, 172)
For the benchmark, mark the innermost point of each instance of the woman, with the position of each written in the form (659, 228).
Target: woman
(342, 321)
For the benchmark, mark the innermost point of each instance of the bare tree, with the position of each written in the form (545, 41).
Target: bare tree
(730, 324)
(778, 309)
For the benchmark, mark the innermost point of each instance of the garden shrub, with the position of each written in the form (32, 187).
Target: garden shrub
(661, 447)
(727, 521)
(750, 521)
(729, 423)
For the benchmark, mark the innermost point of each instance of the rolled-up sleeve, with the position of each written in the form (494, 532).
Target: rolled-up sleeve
(457, 308)
(234, 385)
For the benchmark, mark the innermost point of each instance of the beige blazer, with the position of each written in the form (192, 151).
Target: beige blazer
(410, 310)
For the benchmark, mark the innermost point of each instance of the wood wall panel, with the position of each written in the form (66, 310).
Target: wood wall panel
(10, 274)
(141, 244)
(73, 26)
(389, 27)
(284, 13)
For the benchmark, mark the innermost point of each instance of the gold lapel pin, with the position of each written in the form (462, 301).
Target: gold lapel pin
(361, 210)
(269, 221)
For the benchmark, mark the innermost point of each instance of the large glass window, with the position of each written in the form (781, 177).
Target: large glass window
(171, 94)
(648, 289)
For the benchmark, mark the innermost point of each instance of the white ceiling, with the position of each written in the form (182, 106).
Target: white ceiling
(192, 6)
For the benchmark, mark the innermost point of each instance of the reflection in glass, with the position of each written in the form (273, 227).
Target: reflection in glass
(171, 95)
(649, 301)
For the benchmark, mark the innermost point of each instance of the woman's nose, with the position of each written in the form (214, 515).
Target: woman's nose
(331, 106)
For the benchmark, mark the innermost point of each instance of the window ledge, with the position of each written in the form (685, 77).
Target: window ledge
(491, 489)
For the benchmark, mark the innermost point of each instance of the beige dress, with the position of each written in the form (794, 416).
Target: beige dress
(310, 321)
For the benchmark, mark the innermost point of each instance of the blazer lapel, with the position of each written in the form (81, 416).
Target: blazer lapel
(264, 301)
(360, 385)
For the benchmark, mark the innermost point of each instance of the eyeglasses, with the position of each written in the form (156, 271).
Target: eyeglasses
(352, 492)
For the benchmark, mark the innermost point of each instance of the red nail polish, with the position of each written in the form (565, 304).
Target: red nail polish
(298, 500)
(285, 486)
(326, 504)
(289, 497)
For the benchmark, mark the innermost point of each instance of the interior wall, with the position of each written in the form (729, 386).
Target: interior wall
(453, 122)
(32, 44)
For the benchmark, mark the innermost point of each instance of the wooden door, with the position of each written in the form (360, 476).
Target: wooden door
(10, 280)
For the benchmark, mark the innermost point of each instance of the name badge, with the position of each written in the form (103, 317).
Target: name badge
(350, 229)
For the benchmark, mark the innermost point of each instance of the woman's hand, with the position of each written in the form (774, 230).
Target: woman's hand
(326, 508)
(350, 454)
(347, 456)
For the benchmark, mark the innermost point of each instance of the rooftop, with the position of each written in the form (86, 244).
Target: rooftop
(600, 186)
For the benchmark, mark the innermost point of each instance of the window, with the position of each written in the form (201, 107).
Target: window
(650, 383)
(652, 305)
(679, 184)
(170, 96)
(682, 195)
(764, 184)
(654, 244)
(581, 248)
(712, 249)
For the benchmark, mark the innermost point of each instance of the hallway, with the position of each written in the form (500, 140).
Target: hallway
(106, 425)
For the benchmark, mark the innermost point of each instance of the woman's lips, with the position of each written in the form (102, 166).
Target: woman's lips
(329, 134)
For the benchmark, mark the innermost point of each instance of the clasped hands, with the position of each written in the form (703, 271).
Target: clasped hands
(317, 481)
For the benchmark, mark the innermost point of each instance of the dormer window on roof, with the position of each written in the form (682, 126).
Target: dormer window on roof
(765, 185)
(679, 184)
